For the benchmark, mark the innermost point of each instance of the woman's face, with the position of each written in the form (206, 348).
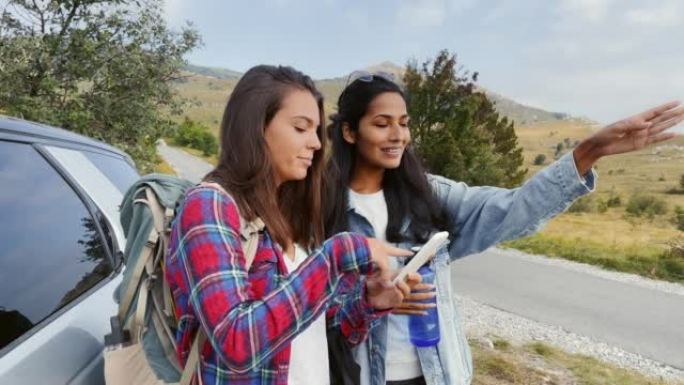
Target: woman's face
(383, 132)
(291, 136)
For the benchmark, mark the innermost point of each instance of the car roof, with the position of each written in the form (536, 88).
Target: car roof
(42, 132)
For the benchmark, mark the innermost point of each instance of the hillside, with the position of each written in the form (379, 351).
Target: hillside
(210, 85)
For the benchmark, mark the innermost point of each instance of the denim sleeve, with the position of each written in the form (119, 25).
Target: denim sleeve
(481, 217)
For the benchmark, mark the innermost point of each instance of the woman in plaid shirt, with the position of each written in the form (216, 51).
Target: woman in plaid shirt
(263, 323)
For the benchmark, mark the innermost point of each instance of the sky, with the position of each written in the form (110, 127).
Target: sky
(601, 59)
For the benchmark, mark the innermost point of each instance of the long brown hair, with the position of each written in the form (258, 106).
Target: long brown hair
(292, 211)
(406, 188)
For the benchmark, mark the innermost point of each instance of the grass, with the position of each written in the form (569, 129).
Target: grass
(164, 168)
(210, 96)
(654, 170)
(612, 239)
(652, 262)
(614, 228)
(541, 364)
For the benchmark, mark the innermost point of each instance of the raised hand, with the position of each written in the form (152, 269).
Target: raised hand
(630, 134)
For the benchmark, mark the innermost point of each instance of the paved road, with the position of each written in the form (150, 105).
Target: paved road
(186, 166)
(637, 319)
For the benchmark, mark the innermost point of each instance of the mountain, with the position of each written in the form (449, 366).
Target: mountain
(331, 88)
(220, 73)
(523, 114)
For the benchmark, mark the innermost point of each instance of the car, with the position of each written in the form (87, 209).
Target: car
(61, 247)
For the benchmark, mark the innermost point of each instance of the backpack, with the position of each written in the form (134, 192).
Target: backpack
(142, 348)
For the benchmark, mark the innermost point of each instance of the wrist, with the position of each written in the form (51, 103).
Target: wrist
(585, 155)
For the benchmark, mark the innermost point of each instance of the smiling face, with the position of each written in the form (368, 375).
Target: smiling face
(292, 136)
(383, 133)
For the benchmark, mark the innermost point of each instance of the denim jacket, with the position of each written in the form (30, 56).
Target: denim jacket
(479, 217)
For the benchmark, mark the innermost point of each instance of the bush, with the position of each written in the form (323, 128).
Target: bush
(641, 205)
(679, 218)
(539, 159)
(602, 206)
(583, 205)
(613, 200)
(676, 249)
(195, 135)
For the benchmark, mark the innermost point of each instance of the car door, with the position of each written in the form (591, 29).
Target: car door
(58, 265)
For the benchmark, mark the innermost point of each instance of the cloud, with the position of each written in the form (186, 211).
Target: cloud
(462, 5)
(668, 14)
(589, 10)
(422, 13)
(174, 11)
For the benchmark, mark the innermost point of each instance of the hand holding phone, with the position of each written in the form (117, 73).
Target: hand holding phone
(424, 254)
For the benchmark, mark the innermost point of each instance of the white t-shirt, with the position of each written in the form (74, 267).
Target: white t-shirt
(309, 350)
(401, 359)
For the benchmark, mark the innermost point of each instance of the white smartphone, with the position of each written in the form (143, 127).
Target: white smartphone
(424, 254)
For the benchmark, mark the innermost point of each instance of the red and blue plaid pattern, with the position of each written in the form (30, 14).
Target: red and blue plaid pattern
(250, 320)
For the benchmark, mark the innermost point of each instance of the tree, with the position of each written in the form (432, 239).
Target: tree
(456, 130)
(195, 135)
(102, 68)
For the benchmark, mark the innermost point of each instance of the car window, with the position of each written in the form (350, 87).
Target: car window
(51, 250)
(105, 188)
(115, 168)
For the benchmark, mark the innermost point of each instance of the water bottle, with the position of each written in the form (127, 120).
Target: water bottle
(424, 329)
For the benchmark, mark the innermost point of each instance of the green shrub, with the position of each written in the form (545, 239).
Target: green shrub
(583, 205)
(679, 218)
(640, 205)
(614, 201)
(539, 159)
(601, 206)
(195, 135)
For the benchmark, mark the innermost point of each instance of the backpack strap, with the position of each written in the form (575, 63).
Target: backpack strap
(153, 250)
(249, 237)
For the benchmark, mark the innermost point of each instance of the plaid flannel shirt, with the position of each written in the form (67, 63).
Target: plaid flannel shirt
(250, 320)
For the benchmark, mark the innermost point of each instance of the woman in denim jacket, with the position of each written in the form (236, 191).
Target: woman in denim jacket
(377, 187)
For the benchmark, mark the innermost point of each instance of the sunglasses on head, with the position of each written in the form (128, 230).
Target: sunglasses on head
(367, 77)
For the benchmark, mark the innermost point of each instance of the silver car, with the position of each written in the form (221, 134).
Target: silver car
(60, 252)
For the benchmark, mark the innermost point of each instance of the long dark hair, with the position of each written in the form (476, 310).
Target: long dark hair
(406, 188)
(292, 211)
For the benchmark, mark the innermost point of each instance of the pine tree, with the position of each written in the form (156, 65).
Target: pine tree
(456, 129)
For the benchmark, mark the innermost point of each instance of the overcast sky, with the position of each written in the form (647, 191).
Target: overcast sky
(602, 59)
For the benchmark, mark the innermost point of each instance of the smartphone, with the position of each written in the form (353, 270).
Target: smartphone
(424, 254)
